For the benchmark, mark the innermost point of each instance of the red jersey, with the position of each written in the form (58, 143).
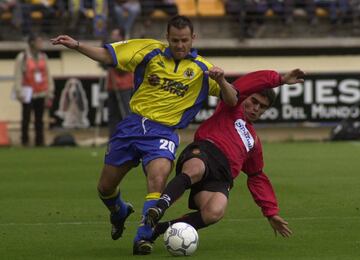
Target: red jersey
(235, 136)
(35, 74)
(119, 80)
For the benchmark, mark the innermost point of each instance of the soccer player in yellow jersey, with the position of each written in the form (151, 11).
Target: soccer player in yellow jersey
(171, 82)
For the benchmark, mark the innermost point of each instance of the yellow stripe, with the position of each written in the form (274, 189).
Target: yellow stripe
(110, 196)
(153, 196)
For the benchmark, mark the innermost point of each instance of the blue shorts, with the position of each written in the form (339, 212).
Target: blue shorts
(139, 139)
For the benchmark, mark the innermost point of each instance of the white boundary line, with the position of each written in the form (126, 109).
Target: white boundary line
(224, 220)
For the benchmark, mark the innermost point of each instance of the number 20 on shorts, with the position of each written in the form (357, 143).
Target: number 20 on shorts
(167, 145)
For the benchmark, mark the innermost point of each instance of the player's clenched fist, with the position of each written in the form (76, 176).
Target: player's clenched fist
(216, 74)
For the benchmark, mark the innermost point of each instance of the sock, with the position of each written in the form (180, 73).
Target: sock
(160, 229)
(174, 190)
(145, 231)
(193, 218)
(115, 204)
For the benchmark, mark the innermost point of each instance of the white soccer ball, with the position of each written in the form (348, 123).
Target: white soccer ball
(181, 239)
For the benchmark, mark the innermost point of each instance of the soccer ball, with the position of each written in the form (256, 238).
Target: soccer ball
(181, 239)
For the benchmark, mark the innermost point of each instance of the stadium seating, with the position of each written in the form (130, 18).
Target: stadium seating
(187, 7)
(210, 8)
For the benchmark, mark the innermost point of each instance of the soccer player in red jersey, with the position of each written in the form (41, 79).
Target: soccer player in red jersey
(224, 145)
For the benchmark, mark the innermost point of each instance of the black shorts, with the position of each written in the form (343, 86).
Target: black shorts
(217, 177)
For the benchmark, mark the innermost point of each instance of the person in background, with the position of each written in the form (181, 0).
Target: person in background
(120, 86)
(148, 7)
(12, 7)
(34, 87)
(46, 7)
(7, 5)
(125, 12)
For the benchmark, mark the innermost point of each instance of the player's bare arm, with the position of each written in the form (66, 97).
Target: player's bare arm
(293, 77)
(280, 226)
(228, 92)
(96, 53)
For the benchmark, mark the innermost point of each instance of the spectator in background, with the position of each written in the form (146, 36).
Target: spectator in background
(119, 85)
(46, 7)
(249, 13)
(280, 8)
(355, 7)
(7, 5)
(337, 9)
(125, 13)
(307, 5)
(12, 7)
(34, 88)
(169, 7)
(76, 14)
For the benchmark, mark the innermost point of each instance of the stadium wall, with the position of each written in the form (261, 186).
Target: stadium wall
(70, 63)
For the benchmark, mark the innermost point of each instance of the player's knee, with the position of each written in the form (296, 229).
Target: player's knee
(157, 182)
(212, 215)
(194, 168)
(105, 190)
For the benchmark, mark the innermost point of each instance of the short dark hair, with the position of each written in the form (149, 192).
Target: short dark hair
(32, 37)
(270, 94)
(180, 22)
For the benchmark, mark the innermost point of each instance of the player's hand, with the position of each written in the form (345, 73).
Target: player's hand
(216, 74)
(65, 40)
(280, 226)
(293, 77)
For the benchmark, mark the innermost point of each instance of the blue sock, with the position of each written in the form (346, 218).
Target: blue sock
(115, 204)
(145, 231)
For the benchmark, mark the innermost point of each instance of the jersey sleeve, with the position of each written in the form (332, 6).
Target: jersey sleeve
(258, 183)
(257, 81)
(214, 88)
(126, 55)
(263, 193)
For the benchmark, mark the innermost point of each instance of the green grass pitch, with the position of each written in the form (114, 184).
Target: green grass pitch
(49, 207)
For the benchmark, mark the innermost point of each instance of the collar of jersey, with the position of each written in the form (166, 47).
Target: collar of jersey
(191, 55)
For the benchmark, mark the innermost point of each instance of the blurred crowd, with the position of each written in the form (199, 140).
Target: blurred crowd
(102, 16)
(70, 15)
(254, 12)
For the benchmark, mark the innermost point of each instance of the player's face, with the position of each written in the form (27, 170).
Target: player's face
(180, 41)
(37, 43)
(116, 35)
(254, 106)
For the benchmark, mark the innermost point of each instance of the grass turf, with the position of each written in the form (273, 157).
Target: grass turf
(50, 210)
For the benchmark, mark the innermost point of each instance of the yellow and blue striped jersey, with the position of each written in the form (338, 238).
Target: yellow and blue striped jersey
(183, 85)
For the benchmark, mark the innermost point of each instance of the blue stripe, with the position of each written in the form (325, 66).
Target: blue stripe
(112, 53)
(140, 69)
(190, 113)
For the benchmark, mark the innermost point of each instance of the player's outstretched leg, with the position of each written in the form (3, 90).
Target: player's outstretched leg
(142, 247)
(153, 216)
(142, 242)
(160, 229)
(173, 191)
(118, 222)
(193, 218)
(119, 212)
